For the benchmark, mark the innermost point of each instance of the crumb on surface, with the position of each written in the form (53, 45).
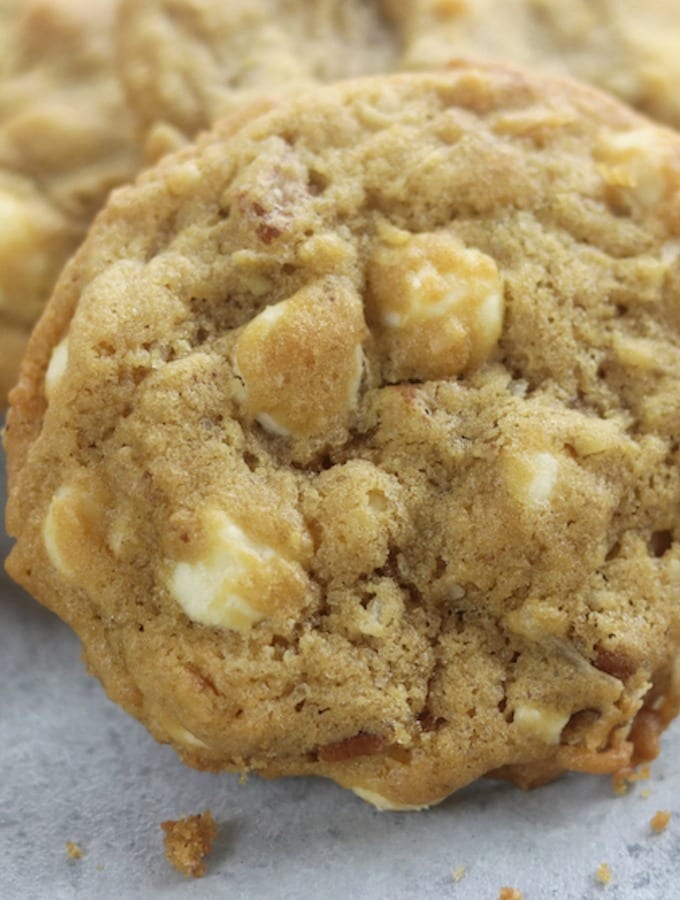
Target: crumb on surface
(660, 820)
(603, 874)
(188, 841)
(509, 893)
(73, 850)
(458, 873)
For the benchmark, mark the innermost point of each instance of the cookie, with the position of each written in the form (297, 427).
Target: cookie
(628, 47)
(186, 63)
(348, 441)
(65, 140)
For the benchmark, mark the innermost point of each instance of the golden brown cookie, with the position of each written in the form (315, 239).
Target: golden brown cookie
(65, 141)
(348, 441)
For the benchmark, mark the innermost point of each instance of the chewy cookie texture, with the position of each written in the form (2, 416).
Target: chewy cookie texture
(65, 141)
(348, 441)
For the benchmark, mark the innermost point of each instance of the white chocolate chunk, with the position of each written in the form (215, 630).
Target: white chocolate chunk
(182, 735)
(640, 353)
(230, 585)
(537, 621)
(544, 724)
(531, 477)
(51, 531)
(380, 802)
(670, 252)
(595, 436)
(438, 303)
(300, 362)
(633, 161)
(56, 368)
(70, 528)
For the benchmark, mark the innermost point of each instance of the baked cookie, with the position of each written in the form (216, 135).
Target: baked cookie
(628, 47)
(186, 63)
(348, 441)
(65, 140)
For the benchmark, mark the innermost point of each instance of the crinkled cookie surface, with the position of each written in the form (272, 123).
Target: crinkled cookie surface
(65, 141)
(348, 443)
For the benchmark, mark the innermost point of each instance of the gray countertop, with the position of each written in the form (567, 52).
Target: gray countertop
(75, 767)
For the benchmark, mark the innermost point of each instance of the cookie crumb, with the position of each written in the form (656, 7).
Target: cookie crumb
(73, 850)
(188, 841)
(603, 874)
(509, 893)
(660, 820)
(458, 873)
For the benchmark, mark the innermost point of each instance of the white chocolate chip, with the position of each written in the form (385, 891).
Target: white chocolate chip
(544, 724)
(300, 362)
(595, 436)
(670, 252)
(56, 368)
(51, 531)
(71, 528)
(380, 802)
(181, 735)
(270, 424)
(437, 303)
(231, 584)
(640, 353)
(531, 477)
(536, 621)
(633, 161)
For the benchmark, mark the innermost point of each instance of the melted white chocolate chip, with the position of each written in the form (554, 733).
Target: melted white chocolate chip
(380, 802)
(544, 724)
(235, 581)
(70, 529)
(595, 435)
(531, 477)
(638, 352)
(438, 303)
(181, 735)
(56, 368)
(632, 162)
(301, 361)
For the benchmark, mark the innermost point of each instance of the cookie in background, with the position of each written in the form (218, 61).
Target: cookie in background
(185, 63)
(65, 140)
(348, 441)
